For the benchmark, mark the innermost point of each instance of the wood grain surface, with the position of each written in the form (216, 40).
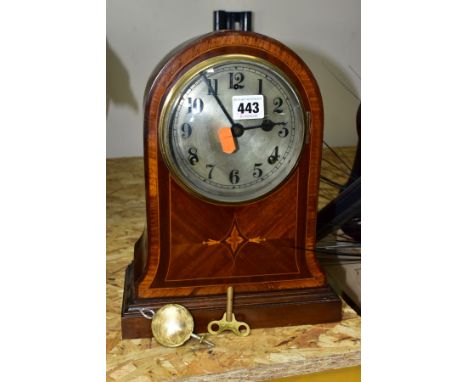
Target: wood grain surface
(174, 258)
(265, 354)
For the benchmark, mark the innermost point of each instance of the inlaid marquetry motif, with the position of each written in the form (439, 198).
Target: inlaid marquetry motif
(235, 239)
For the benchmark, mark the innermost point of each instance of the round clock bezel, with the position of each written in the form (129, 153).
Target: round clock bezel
(169, 104)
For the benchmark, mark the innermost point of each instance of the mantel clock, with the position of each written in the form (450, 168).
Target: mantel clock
(232, 149)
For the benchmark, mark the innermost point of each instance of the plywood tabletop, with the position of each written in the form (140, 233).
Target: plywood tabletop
(263, 355)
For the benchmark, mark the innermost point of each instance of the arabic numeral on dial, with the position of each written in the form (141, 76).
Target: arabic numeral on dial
(257, 173)
(210, 171)
(277, 103)
(235, 80)
(234, 177)
(273, 158)
(213, 88)
(284, 132)
(195, 106)
(193, 156)
(186, 130)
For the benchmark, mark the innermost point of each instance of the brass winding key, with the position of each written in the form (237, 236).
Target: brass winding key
(228, 322)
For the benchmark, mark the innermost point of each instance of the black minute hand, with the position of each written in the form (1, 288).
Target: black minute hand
(213, 93)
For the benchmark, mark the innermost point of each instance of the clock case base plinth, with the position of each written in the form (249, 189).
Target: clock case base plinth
(259, 310)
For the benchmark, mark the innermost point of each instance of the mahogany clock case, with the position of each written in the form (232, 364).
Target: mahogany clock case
(191, 249)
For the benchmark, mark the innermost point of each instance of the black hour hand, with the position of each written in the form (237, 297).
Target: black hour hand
(267, 125)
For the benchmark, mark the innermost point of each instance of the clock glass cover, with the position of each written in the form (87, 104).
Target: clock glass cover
(232, 129)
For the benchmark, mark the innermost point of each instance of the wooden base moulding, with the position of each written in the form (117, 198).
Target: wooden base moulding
(259, 310)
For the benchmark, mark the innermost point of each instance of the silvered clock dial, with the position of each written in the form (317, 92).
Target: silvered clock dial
(232, 129)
